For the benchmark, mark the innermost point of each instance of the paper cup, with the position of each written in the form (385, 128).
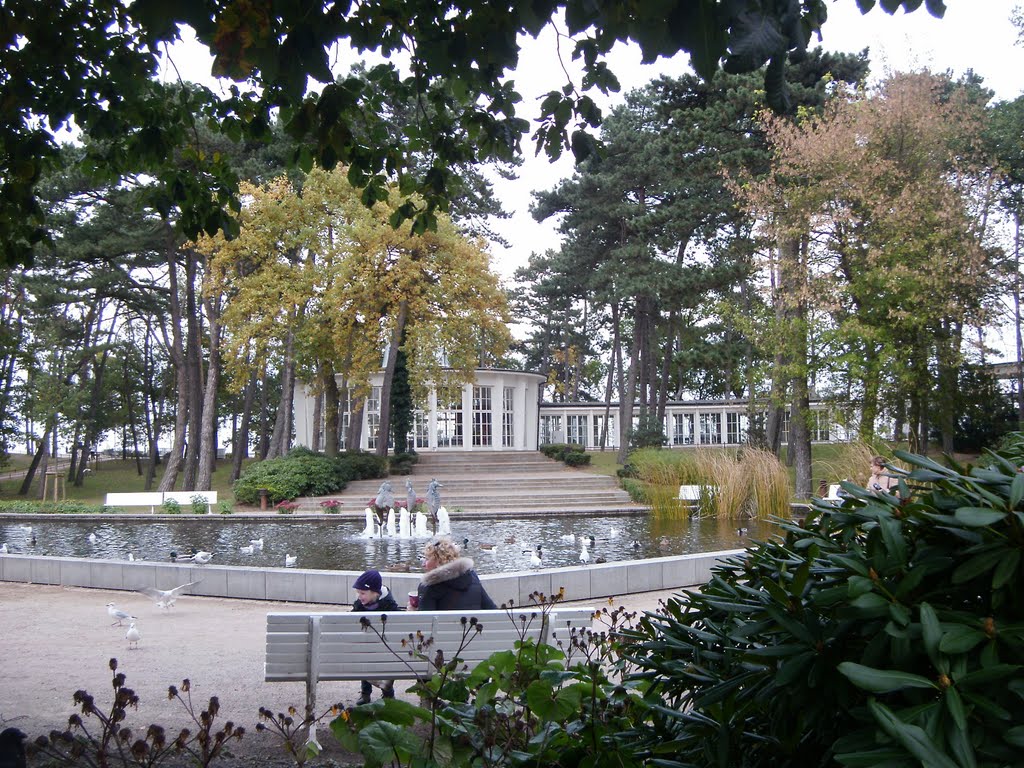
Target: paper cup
(414, 600)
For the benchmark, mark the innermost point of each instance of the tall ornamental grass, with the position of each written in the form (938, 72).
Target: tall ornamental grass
(740, 483)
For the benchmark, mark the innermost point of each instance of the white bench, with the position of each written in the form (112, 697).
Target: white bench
(151, 499)
(154, 499)
(310, 647)
(184, 498)
(692, 493)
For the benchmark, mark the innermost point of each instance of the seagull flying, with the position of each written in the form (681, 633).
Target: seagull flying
(132, 636)
(290, 560)
(202, 557)
(165, 597)
(116, 613)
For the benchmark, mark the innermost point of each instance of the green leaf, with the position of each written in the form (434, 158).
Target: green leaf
(977, 517)
(931, 632)
(1015, 736)
(882, 680)
(913, 738)
(960, 639)
(977, 565)
(383, 741)
(1006, 569)
(1016, 490)
(955, 707)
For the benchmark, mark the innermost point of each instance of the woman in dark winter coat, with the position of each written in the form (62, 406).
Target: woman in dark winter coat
(450, 583)
(372, 595)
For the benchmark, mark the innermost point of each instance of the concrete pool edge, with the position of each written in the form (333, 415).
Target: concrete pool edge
(603, 580)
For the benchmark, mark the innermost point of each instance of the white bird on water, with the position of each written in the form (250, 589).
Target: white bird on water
(165, 597)
(131, 558)
(584, 555)
(290, 560)
(258, 543)
(132, 636)
(92, 538)
(26, 528)
(570, 537)
(3, 549)
(247, 550)
(202, 557)
(116, 613)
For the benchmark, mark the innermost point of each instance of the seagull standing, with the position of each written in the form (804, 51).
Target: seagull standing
(3, 549)
(131, 558)
(290, 560)
(202, 557)
(584, 555)
(165, 597)
(116, 613)
(132, 636)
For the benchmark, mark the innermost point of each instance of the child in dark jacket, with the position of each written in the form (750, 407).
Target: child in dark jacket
(372, 595)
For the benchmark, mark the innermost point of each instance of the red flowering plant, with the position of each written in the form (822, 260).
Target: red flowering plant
(330, 506)
(286, 507)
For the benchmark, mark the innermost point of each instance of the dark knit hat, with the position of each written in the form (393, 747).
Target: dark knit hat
(369, 581)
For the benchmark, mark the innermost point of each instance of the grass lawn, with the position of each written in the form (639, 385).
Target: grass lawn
(119, 476)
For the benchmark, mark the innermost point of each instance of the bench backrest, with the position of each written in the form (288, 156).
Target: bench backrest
(335, 646)
(185, 497)
(141, 499)
(690, 492)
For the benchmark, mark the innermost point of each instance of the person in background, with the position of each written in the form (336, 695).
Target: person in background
(372, 595)
(450, 583)
(879, 479)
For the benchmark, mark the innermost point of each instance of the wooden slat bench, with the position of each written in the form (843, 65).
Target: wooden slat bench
(310, 647)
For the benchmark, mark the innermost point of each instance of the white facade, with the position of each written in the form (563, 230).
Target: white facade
(497, 412)
(500, 411)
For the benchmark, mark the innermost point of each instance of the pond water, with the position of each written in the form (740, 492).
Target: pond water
(337, 543)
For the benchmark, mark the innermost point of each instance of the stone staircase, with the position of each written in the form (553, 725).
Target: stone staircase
(514, 483)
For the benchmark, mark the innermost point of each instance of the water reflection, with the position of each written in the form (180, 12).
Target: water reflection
(335, 544)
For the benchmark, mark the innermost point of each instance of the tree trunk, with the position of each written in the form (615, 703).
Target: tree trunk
(281, 437)
(611, 375)
(194, 366)
(263, 446)
(397, 334)
(629, 390)
(208, 427)
(37, 458)
(871, 383)
(332, 419)
(242, 439)
(318, 414)
(176, 352)
(354, 438)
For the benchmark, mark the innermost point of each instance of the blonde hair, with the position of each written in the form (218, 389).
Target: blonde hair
(442, 550)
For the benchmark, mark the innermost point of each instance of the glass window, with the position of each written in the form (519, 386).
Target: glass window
(449, 417)
(508, 418)
(550, 429)
(372, 417)
(576, 429)
(736, 428)
(482, 416)
(710, 429)
(682, 429)
(420, 429)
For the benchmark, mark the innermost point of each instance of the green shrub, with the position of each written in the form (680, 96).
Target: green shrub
(577, 458)
(357, 465)
(224, 508)
(648, 433)
(24, 506)
(636, 489)
(888, 631)
(170, 507)
(199, 505)
(402, 463)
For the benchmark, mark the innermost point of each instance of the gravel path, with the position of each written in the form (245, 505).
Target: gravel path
(57, 640)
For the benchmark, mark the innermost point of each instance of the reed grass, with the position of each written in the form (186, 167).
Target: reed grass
(742, 483)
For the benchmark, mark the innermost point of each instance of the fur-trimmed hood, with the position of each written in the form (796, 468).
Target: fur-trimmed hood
(448, 571)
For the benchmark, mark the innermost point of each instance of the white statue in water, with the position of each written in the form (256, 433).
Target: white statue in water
(385, 496)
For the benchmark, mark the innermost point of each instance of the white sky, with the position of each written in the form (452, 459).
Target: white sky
(974, 34)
